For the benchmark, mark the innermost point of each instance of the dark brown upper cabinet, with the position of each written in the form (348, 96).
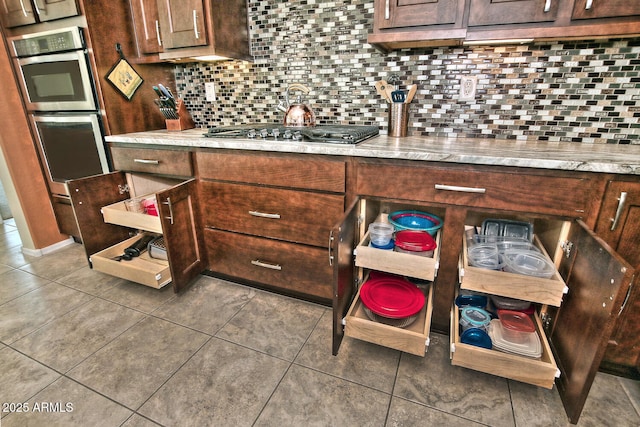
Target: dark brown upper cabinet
(16, 13)
(418, 23)
(498, 12)
(146, 24)
(198, 29)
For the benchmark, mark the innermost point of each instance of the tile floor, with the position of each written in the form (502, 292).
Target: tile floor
(84, 349)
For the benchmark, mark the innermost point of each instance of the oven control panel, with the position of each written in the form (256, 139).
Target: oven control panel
(48, 42)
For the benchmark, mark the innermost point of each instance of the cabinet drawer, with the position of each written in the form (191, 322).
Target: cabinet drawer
(143, 269)
(118, 214)
(162, 162)
(413, 339)
(397, 263)
(294, 268)
(540, 372)
(305, 172)
(512, 285)
(292, 215)
(470, 186)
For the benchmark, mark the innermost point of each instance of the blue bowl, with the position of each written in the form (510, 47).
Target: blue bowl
(415, 220)
(476, 337)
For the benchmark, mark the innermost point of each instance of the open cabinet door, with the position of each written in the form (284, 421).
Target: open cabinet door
(183, 233)
(342, 244)
(598, 280)
(88, 196)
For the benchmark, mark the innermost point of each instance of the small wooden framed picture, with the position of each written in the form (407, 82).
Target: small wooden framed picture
(124, 78)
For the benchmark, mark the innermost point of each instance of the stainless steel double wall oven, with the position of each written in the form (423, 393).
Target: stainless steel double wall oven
(59, 94)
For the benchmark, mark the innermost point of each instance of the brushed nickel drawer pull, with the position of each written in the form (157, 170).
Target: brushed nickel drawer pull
(147, 161)
(24, 11)
(621, 201)
(158, 33)
(264, 215)
(387, 12)
(263, 264)
(195, 24)
(460, 189)
(589, 5)
(547, 6)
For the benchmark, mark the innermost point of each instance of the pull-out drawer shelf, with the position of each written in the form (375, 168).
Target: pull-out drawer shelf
(143, 269)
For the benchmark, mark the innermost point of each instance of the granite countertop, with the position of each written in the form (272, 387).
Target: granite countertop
(609, 158)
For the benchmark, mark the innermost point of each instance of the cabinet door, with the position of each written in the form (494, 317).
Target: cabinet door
(590, 9)
(619, 226)
(147, 26)
(409, 13)
(183, 232)
(88, 196)
(494, 12)
(598, 281)
(343, 240)
(182, 23)
(48, 10)
(16, 13)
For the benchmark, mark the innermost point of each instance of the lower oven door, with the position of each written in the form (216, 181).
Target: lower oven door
(71, 146)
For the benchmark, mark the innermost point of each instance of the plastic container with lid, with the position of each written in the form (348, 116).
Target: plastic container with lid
(484, 255)
(415, 242)
(474, 317)
(529, 263)
(515, 325)
(505, 303)
(528, 344)
(381, 233)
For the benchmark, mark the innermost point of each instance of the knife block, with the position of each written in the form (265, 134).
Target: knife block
(184, 122)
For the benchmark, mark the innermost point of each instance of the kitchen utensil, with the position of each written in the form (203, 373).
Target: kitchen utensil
(397, 95)
(381, 88)
(157, 249)
(139, 246)
(411, 93)
(167, 95)
(298, 114)
(392, 297)
(415, 220)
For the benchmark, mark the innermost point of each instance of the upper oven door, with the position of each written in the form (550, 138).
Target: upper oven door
(58, 82)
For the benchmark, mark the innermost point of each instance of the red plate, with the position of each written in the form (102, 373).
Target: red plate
(391, 297)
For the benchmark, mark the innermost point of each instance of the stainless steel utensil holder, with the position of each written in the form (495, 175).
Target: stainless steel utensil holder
(398, 119)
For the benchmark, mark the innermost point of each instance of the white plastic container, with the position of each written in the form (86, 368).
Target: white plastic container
(381, 233)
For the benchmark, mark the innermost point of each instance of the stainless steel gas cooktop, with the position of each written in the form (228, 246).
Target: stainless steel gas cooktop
(334, 134)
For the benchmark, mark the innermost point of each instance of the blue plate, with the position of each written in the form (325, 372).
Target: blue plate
(415, 220)
(476, 337)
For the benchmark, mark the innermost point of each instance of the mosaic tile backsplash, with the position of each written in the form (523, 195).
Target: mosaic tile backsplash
(579, 91)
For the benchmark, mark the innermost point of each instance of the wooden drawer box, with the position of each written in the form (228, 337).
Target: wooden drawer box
(118, 214)
(413, 339)
(398, 263)
(512, 285)
(305, 172)
(471, 186)
(143, 269)
(161, 162)
(540, 372)
(293, 215)
(295, 268)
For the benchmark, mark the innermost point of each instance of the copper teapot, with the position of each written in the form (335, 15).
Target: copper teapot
(297, 113)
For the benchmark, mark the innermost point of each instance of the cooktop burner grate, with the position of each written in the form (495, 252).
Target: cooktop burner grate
(335, 134)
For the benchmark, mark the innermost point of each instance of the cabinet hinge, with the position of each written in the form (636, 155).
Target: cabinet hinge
(567, 246)
(344, 321)
(123, 188)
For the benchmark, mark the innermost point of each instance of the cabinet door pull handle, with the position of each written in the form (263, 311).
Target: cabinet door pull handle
(268, 265)
(147, 161)
(264, 215)
(331, 248)
(170, 217)
(460, 189)
(547, 6)
(195, 24)
(158, 33)
(589, 5)
(24, 11)
(387, 11)
(621, 201)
